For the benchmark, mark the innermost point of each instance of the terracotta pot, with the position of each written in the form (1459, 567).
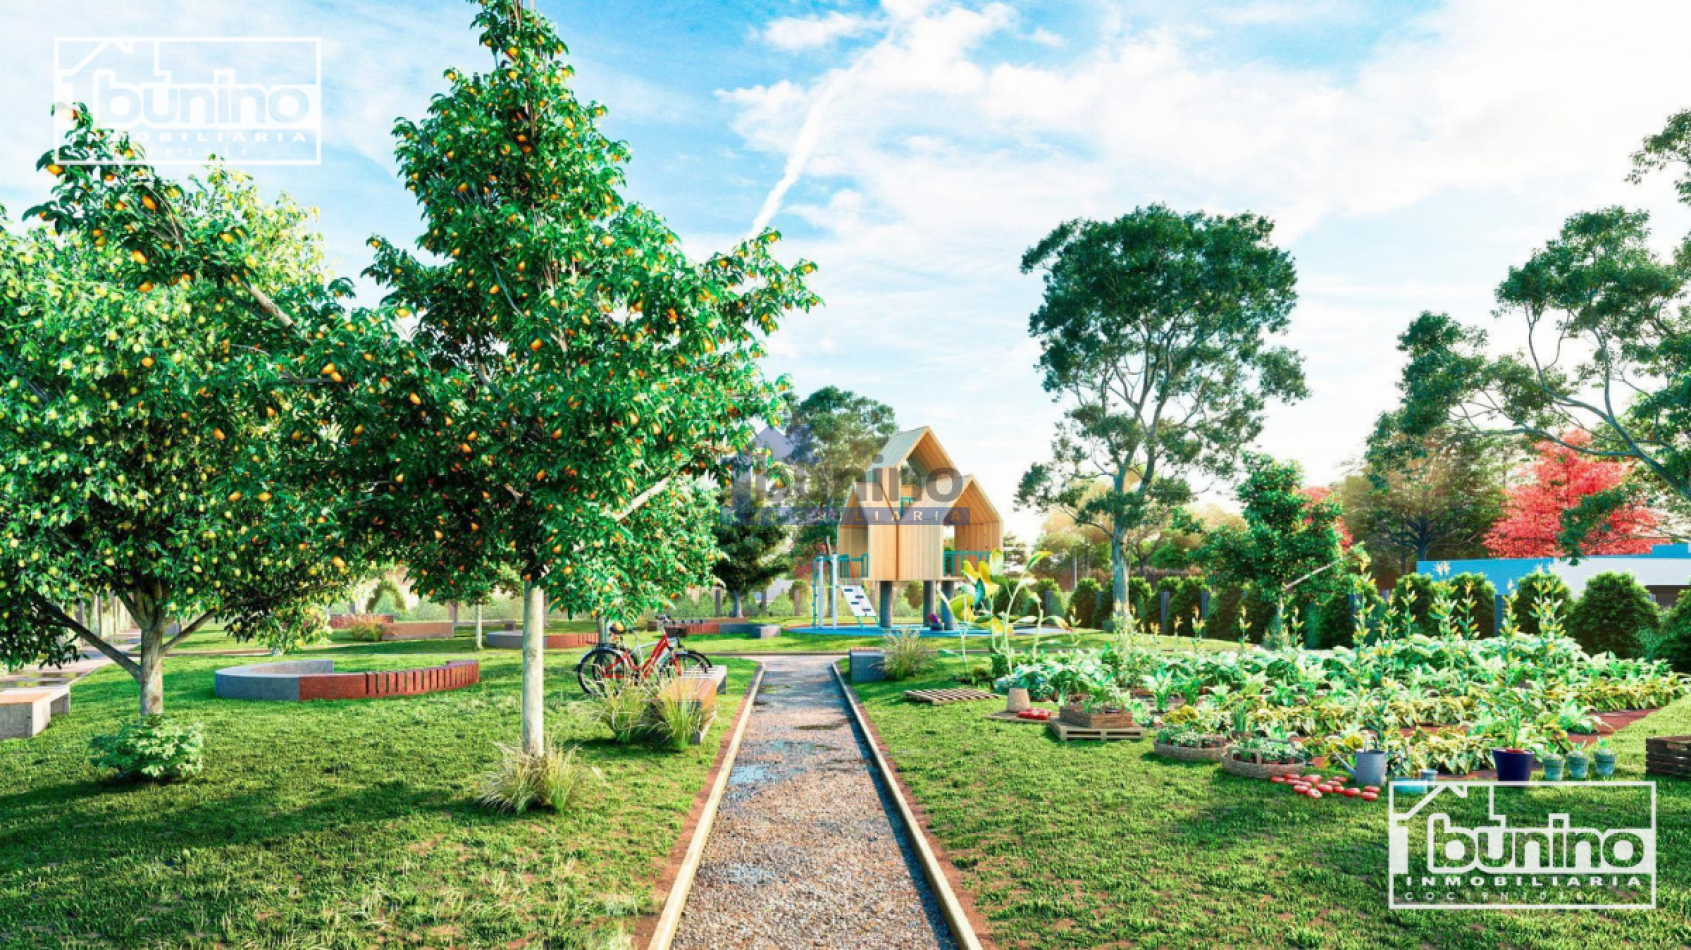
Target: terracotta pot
(1018, 700)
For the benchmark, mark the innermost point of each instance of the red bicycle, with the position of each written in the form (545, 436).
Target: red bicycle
(615, 662)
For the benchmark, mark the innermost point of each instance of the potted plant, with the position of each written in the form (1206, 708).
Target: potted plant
(1104, 706)
(1552, 764)
(1514, 762)
(1578, 764)
(1603, 759)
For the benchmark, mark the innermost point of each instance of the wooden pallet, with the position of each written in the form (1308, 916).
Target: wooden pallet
(1067, 731)
(1668, 755)
(940, 697)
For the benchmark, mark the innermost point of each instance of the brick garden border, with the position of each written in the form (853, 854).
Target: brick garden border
(306, 680)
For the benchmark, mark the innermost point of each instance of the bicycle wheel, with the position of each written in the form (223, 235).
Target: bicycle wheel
(690, 662)
(599, 665)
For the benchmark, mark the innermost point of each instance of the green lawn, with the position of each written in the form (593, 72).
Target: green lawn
(335, 824)
(1087, 845)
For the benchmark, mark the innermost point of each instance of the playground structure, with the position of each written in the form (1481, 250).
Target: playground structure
(894, 529)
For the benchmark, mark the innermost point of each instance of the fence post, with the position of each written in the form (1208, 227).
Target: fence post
(1497, 616)
(1162, 624)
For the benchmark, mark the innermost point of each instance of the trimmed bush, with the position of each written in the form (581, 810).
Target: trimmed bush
(1090, 604)
(1025, 605)
(1614, 615)
(1185, 596)
(152, 749)
(912, 594)
(1480, 597)
(1225, 607)
(1413, 596)
(1533, 590)
(799, 594)
(1335, 625)
(1144, 600)
(1672, 642)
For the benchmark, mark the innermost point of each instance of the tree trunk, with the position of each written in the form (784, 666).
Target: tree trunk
(478, 627)
(1118, 568)
(152, 669)
(738, 607)
(534, 669)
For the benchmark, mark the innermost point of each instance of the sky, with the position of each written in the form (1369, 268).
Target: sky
(1409, 153)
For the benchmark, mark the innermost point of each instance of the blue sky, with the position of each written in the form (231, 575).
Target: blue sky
(1410, 153)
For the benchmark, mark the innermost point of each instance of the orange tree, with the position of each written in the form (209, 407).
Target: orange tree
(577, 376)
(168, 429)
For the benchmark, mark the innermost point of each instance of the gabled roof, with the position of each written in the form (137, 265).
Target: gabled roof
(920, 447)
(949, 496)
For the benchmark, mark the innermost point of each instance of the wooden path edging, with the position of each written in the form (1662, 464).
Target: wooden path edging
(669, 920)
(955, 916)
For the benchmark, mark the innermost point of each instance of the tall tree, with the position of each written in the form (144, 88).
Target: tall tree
(578, 375)
(1290, 543)
(835, 433)
(1439, 502)
(753, 546)
(171, 424)
(1559, 481)
(1608, 350)
(1156, 328)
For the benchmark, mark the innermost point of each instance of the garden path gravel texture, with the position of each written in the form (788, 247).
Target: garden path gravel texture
(803, 852)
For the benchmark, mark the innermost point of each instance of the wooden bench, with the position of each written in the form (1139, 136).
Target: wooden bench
(25, 712)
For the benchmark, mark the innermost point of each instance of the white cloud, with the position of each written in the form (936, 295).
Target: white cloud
(941, 158)
(793, 34)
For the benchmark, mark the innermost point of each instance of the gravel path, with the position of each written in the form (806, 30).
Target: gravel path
(803, 853)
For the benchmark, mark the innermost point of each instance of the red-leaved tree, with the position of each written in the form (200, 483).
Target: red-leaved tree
(1561, 478)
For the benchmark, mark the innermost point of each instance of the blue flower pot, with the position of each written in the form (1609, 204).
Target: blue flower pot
(1513, 766)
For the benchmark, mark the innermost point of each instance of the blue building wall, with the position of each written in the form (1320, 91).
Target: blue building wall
(1665, 564)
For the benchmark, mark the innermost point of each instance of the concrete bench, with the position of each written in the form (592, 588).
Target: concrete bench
(502, 640)
(25, 712)
(763, 631)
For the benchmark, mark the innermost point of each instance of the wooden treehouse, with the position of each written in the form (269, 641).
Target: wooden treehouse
(914, 517)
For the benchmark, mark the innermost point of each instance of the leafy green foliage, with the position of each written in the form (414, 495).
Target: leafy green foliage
(1672, 643)
(166, 433)
(1532, 594)
(835, 434)
(1614, 614)
(1090, 604)
(363, 632)
(577, 374)
(1413, 597)
(1476, 594)
(151, 748)
(1158, 326)
(1609, 351)
(753, 547)
(1289, 541)
(1438, 502)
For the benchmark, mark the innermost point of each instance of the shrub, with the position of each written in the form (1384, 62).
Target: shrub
(1089, 604)
(907, 655)
(1533, 590)
(1614, 615)
(520, 781)
(677, 717)
(1672, 642)
(1334, 621)
(1046, 586)
(1413, 596)
(1025, 601)
(365, 632)
(800, 593)
(624, 707)
(151, 749)
(913, 594)
(1479, 596)
(1185, 597)
(1144, 600)
(1225, 610)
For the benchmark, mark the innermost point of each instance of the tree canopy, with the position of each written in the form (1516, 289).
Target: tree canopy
(1608, 350)
(1156, 329)
(1559, 480)
(835, 433)
(171, 432)
(577, 375)
(1438, 502)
